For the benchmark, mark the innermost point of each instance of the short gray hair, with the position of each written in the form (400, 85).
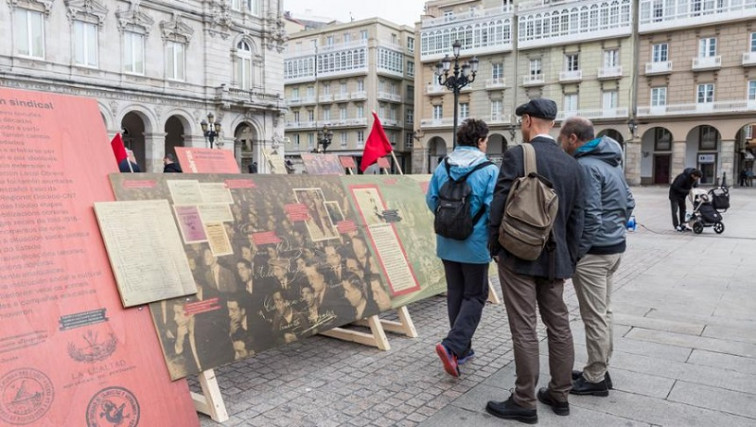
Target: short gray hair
(580, 126)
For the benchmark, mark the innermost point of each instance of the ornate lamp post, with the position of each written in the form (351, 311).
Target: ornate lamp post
(461, 76)
(325, 136)
(211, 129)
(632, 125)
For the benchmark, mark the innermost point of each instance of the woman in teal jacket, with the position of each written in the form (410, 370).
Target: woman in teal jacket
(465, 261)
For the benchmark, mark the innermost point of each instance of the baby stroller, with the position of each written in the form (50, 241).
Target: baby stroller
(708, 207)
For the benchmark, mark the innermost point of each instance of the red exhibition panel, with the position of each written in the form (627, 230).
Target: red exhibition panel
(69, 353)
(206, 160)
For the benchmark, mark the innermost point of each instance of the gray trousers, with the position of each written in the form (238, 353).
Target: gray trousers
(593, 286)
(521, 294)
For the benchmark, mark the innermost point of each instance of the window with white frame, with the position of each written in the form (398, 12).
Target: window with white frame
(659, 96)
(310, 91)
(85, 44)
(753, 42)
(344, 139)
(572, 62)
(411, 44)
(410, 119)
(497, 71)
(382, 111)
(363, 35)
(310, 115)
(610, 100)
(496, 108)
(347, 37)
(752, 90)
(408, 140)
(360, 85)
(175, 61)
(342, 112)
(254, 7)
(243, 69)
(535, 67)
(295, 93)
(438, 112)
(310, 140)
(390, 60)
(659, 52)
(707, 47)
(410, 69)
(570, 102)
(464, 110)
(611, 58)
(360, 111)
(343, 88)
(296, 117)
(29, 33)
(360, 138)
(326, 114)
(705, 93)
(658, 10)
(329, 41)
(326, 88)
(133, 52)
(392, 112)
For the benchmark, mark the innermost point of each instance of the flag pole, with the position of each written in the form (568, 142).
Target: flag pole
(397, 163)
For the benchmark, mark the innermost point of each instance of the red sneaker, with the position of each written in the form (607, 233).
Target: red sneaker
(448, 359)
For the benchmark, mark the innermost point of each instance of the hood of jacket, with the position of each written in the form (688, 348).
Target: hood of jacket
(463, 159)
(603, 148)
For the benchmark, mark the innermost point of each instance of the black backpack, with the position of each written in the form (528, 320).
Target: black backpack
(453, 216)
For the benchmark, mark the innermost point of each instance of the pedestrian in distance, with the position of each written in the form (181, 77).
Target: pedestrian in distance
(170, 165)
(465, 259)
(527, 284)
(678, 191)
(608, 206)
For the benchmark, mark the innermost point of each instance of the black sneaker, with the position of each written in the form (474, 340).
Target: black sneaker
(509, 410)
(607, 378)
(581, 387)
(560, 408)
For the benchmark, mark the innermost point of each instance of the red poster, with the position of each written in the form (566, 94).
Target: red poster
(347, 162)
(69, 353)
(206, 160)
(383, 163)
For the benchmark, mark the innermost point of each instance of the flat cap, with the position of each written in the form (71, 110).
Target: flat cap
(539, 107)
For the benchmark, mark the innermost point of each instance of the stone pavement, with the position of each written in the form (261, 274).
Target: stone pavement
(684, 349)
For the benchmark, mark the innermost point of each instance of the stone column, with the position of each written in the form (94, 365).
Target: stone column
(727, 162)
(154, 147)
(419, 160)
(678, 159)
(633, 162)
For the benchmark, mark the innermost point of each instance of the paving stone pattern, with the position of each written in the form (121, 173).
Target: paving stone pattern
(684, 353)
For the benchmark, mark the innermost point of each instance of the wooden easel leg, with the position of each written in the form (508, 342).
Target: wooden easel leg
(404, 326)
(493, 297)
(210, 402)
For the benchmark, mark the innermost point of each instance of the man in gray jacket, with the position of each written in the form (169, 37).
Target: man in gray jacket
(608, 205)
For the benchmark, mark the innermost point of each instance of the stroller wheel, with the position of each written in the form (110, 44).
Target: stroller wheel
(719, 227)
(698, 227)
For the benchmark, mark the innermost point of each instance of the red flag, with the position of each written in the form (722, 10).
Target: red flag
(376, 146)
(118, 149)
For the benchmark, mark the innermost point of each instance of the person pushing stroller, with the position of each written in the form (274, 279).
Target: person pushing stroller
(678, 191)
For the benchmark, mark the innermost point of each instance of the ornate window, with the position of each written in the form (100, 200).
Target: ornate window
(243, 70)
(29, 33)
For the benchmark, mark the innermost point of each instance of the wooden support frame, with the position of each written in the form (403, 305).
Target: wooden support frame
(378, 327)
(210, 402)
(493, 297)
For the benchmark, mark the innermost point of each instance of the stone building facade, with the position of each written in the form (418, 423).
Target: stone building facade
(156, 68)
(336, 75)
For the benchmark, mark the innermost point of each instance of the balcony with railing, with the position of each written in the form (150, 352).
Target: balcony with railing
(291, 102)
(390, 122)
(656, 15)
(470, 15)
(300, 125)
(737, 106)
(342, 46)
(533, 80)
(499, 119)
(594, 114)
(432, 89)
(341, 97)
(659, 67)
(444, 122)
(570, 76)
(328, 97)
(497, 83)
(388, 96)
(707, 63)
(360, 94)
(749, 59)
(609, 73)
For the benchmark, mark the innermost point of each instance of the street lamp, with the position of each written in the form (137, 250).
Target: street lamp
(461, 76)
(325, 136)
(632, 125)
(211, 129)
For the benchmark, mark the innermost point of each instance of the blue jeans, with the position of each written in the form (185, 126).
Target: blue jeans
(466, 295)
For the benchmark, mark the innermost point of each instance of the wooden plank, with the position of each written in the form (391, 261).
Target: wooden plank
(404, 326)
(210, 402)
(377, 337)
(406, 321)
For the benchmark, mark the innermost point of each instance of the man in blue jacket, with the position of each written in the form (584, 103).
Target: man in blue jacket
(608, 206)
(465, 261)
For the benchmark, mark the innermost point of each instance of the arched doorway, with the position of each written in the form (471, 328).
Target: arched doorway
(745, 154)
(244, 146)
(656, 156)
(436, 152)
(497, 145)
(702, 152)
(133, 128)
(174, 134)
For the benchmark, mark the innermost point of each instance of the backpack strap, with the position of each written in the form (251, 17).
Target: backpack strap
(529, 159)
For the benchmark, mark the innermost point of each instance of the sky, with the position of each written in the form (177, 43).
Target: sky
(405, 12)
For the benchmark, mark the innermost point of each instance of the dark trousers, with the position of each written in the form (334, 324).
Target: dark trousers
(522, 294)
(466, 294)
(678, 208)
